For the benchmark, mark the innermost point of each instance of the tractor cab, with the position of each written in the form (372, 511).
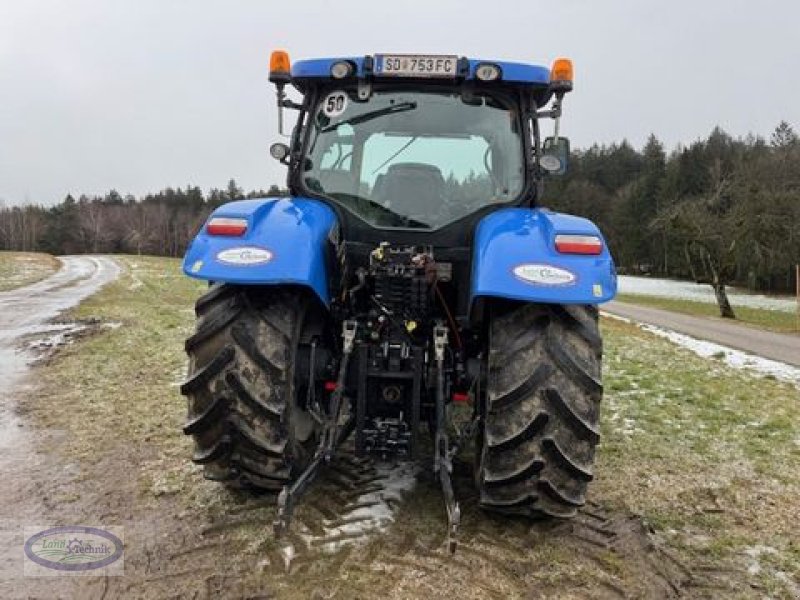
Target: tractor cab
(416, 142)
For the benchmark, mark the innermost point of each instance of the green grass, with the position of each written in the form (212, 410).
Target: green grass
(709, 456)
(24, 268)
(772, 320)
(126, 379)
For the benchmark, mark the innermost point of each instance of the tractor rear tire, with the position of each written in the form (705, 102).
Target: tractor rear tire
(543, 401)
(249, 430)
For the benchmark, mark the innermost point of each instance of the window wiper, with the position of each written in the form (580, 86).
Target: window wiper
(368, 116)
(396, 154)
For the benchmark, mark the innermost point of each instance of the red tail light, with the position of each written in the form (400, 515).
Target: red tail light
(226, 226)
(578, 244)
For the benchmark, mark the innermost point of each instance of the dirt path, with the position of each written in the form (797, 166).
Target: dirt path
(27, 311)
(24, 313)
(776, 346)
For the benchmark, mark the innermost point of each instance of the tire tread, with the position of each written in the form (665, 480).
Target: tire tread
(541, 422)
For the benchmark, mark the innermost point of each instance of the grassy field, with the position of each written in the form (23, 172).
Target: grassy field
(773, 320)
(705, 460)
(23, 268)
(709, 455)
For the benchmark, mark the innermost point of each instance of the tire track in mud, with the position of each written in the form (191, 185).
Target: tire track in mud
(370, 530)
(356, 500)
(235, 555)
(601, 553)
(351, 501)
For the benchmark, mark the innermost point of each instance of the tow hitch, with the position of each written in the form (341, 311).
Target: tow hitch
(333, 434)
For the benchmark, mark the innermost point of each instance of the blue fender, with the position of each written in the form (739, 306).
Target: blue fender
(515, 257)
(284, 244)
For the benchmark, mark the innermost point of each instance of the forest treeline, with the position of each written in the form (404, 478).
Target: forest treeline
(721, 209)
(159, 224)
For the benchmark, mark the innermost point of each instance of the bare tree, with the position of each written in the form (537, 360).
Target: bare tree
(708, 227)
(93, 223)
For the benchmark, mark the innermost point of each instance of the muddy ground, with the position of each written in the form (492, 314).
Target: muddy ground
(695, 495)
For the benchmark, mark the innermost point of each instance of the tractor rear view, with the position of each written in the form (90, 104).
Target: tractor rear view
(410, 270)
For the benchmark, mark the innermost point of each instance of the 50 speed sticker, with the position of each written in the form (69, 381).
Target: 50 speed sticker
(335, 104)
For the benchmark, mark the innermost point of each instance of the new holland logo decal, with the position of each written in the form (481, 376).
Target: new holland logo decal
(541, 274)
(245, 256)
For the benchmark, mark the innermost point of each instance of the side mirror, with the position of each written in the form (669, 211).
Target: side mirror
(555, 155)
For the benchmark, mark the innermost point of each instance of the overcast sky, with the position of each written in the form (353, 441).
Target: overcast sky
(138, 95)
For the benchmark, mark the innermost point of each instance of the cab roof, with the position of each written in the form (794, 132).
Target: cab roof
(511, 72)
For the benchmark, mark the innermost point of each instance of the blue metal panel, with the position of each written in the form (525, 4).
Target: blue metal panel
(321, 67)
(516, 72)
(513, 243)
(291, 232)
(512, 71)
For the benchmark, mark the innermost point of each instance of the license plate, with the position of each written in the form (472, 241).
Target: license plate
(416, 65)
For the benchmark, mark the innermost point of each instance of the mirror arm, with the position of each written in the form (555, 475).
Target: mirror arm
(556, 126)
(284, 102)
(555, 110)
(281, 94)
(549, 114)
(554, 113)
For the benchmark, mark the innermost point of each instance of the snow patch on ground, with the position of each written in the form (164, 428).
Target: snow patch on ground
(55, 335)
(179, 376)
(753, 553)
(370, 513)
(688, 290)
(136, 283)
(609, 315)
(733, 358)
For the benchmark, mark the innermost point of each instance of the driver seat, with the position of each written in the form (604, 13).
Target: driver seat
(416, 187)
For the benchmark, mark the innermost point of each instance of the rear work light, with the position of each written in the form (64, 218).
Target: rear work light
(226, 226)
(578, 244)
(342, 69)
(487, 72)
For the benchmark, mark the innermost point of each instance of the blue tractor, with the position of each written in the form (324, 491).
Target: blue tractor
(410, 270)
